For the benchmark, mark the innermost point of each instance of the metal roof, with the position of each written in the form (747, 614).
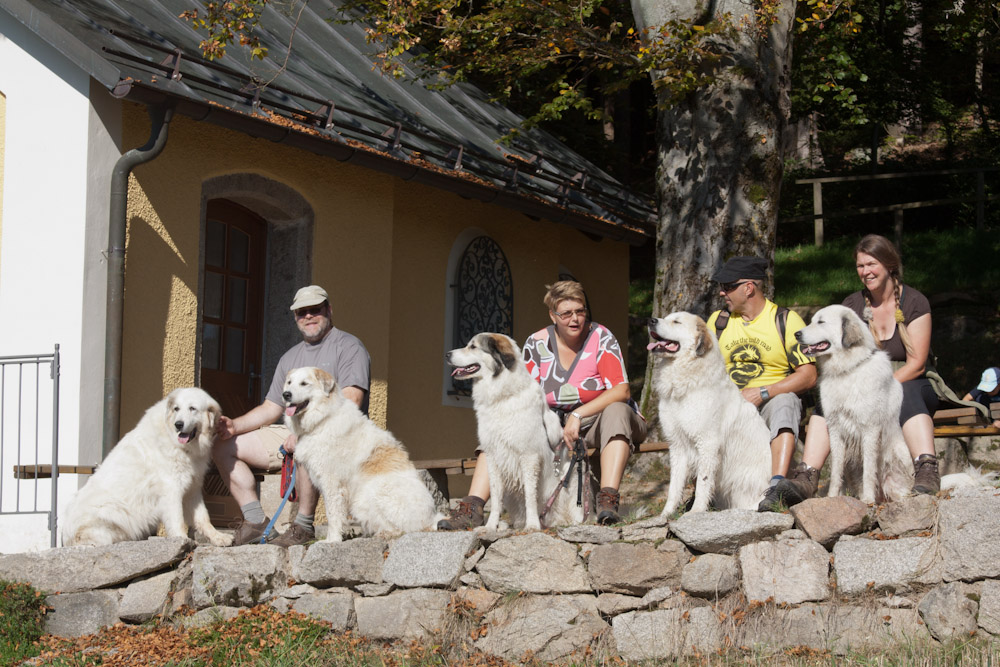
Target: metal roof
(329, 99)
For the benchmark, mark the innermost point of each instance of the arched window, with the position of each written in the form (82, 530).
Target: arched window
(483, 297)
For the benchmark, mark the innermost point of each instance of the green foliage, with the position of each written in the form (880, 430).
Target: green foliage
(22, 609)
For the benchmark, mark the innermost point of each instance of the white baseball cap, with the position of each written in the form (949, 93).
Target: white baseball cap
(989, 380)
(311, 295)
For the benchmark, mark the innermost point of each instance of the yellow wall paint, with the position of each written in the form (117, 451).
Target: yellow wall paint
(380, 248)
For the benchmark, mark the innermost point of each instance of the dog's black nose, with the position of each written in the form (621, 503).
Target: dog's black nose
(178, 425)
(287, 395)
(651, 322)
(447, 356)
(798, 336)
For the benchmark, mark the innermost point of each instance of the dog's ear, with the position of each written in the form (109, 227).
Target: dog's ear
(702, 339)
(503, 352)
(172, 401)
(327, 382)
(213, 413)
(852, 335)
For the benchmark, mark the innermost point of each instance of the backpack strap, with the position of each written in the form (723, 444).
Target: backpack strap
(781, 321)
(721, 321)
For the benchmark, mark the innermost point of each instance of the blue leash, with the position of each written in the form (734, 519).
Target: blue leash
(281, 506)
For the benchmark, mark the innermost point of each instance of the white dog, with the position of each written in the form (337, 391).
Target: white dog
(714, 433)
(153, 475)
(861, 401)
(357, 466)
(517, 433)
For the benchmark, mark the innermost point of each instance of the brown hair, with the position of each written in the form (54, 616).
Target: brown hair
(562, 290)
(883, 250)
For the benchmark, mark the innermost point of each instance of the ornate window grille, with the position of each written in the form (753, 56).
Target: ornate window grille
(484, 297)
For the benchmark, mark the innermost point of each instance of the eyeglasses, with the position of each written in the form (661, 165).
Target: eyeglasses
(729, 287)
(566, 314)
(311, 310)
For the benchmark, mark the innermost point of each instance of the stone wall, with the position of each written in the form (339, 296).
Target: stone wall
(832, 574)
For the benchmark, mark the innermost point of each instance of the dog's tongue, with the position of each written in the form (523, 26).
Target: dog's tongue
(184, 438)
(656, 344)
(290, 410)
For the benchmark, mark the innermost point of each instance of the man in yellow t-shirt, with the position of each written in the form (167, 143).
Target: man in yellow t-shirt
(770, 372)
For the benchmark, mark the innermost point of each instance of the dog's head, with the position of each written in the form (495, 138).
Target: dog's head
(486, 355)
(192, 415)
(679, 334)
(834, 328)
(303, 386)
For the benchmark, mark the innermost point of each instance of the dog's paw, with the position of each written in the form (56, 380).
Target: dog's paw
(334, 536)
(532, 525)
(220, 540)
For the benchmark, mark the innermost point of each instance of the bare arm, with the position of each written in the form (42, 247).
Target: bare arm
(262, 415)
(354, 394)
(920, 340)
(617, 394)
(798, 381)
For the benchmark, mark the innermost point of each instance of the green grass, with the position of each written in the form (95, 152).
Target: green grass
(937, 262)
(21, 611)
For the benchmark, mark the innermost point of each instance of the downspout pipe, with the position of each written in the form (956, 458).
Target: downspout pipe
(160, 122)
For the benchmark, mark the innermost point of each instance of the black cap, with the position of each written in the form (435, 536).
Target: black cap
(741, 268)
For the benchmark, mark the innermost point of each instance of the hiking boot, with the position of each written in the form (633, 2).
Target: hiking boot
(925, 474)
(773, 499)
(800, 484)
(607, 506)
(468, 514)
(296, 534)
(250, 533)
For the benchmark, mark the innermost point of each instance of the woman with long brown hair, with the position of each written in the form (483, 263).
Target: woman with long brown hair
(900, 321)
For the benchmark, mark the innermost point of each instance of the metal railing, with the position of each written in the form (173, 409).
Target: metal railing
(21, 434)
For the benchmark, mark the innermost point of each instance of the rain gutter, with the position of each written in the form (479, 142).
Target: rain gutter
(160, 117)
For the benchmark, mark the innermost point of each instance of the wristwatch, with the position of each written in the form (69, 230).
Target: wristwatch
(765, 394)
(577, 415)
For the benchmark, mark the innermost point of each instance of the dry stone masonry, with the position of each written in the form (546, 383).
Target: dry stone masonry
(832, 574)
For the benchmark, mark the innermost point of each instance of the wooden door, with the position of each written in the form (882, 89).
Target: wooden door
(232, 307)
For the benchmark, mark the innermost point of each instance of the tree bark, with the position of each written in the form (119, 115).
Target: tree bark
(719, 164)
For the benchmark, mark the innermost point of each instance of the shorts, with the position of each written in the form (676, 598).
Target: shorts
(782, 412)
(618, 420)
(271, 438)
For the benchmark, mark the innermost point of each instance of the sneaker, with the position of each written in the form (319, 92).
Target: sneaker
(297, 534)
(250, 533)
(800, 484)
(468, 514)
(925, 474)
(607, 506)
(773, 499)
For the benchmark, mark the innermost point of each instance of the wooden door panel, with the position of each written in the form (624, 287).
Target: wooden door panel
(232, 306)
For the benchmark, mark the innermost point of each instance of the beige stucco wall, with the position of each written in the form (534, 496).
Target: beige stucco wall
(380, 247)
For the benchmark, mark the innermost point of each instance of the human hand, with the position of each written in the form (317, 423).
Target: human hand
(752, 394)
(290, 444)
(224, 429)
(571, 431)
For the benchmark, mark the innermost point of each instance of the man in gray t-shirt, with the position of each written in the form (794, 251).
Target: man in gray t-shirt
(253, 440)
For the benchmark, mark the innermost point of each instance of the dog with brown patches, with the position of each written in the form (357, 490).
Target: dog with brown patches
(517, 433)
(359, 468)
(714, 433)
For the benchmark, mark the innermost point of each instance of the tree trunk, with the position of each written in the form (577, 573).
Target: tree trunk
(719, 165)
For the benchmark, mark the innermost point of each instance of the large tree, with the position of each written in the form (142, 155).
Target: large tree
(721, 72)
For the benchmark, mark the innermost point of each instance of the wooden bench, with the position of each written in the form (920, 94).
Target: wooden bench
(965, 422)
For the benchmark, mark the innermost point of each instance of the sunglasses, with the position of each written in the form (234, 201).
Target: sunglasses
(311, 310)
(729, 287)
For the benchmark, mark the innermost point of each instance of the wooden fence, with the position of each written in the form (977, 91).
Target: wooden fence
(818, 214)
